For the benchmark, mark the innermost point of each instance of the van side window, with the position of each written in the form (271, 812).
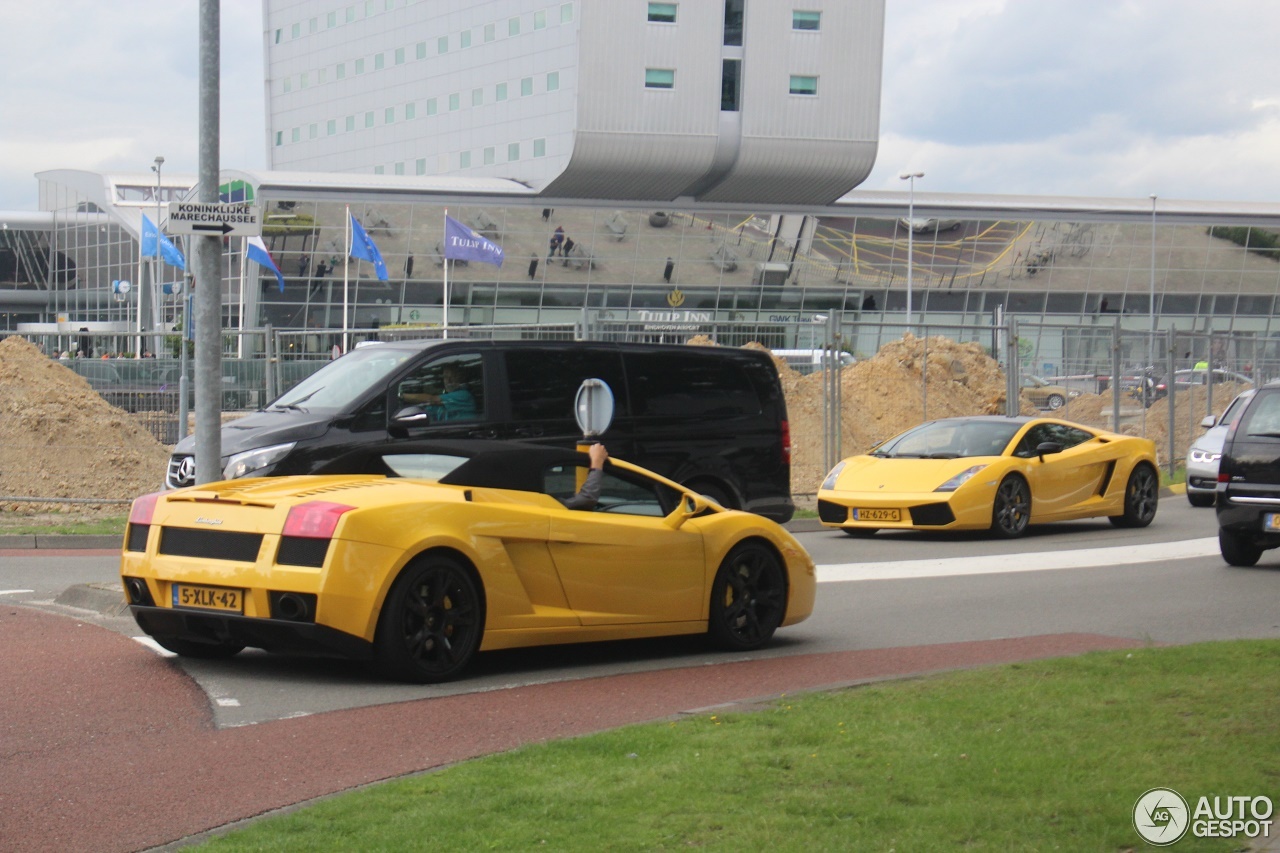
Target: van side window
(449, 388)
(542, 383)
(679, 385)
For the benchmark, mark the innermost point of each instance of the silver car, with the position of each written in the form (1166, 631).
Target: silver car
(1203, 455)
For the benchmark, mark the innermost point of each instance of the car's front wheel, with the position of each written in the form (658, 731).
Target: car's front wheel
(432, 621)
(1011, 512)
(1237, 550)
(1141, 496)
(748, 598)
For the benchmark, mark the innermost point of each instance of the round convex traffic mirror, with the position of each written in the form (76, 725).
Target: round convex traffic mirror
(593, 406)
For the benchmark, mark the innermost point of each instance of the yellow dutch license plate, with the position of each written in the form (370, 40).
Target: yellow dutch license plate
(877, 515)
(1271, 521)
(208, 598)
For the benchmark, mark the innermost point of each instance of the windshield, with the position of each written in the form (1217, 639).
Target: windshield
(950, 439)
(339, 383)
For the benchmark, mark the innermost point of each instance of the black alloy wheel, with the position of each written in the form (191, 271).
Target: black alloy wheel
(1011, 510)
(748, 598)
(431, 623)
(1141, 497)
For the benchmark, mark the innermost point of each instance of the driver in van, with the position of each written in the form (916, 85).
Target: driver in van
(455, 402)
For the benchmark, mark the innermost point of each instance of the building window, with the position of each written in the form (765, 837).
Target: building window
(730, 84)
(420, 167)
(331, 127)
(733, 23)
(526, 86)
(806, 20)
(359, 66)
(464, 38)
(490, 32)
(455, 102)
(378, 170)
(566, 13)
(279, 137)
(295, 31)
(442, 45)
(410, 111)
(539, 148)
(399, 169)
(321, 76)
(488, 156)
(500, 92)
(331, 20)
(351, 123)
(421, 50)
(477, 97)
(303, 80)
(553, 81)
(431, 106)
(368, 119)
(288, 84)
(340, 70)
(801, 85)
(513, 152)
(313, 130)
(379, 62)
(351, 14)
(389, 115)
(278, 34)
(399, 56)
(540, 20)
(464, 160)
(513, 27)
(659, 78)
(662, 13)
(313, 25)
(296, 134)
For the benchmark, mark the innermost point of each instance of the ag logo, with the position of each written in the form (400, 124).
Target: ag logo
(675, 298)
(1161, 816)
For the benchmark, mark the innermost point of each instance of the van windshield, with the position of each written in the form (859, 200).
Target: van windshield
(336, 385)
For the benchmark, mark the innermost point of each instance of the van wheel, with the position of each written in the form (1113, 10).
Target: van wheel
(1237, 550)
(432, 621)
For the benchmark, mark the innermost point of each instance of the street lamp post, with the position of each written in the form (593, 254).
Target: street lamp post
(1151, 349)
(911, 215)
(155, 268)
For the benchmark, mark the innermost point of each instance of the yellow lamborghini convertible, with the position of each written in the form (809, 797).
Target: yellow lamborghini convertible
(995, 473)
(421, 554)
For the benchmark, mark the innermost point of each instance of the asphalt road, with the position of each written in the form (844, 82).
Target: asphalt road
(97, 724)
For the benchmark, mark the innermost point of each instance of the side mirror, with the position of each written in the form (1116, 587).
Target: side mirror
(1208, 422)
(1046, 448)
(690, 505)
(411, 416)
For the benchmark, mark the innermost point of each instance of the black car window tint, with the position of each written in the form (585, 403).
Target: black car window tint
(690, 385)
(543, 383)
(450, 388)
(1263, 417)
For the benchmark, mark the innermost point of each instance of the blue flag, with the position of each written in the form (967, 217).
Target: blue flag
(257, 252)
(463, 244)
(168, 251)
(362, 247)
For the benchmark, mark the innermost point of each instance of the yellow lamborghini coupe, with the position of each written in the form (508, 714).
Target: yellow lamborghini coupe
(421, 554)
(996, 473)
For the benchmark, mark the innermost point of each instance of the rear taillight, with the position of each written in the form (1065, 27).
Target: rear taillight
(314, 519)
(144, 508)
(786, 442)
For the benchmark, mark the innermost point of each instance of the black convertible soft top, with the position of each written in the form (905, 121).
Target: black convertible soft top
(490, 464)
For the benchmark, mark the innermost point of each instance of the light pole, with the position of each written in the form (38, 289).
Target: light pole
(1151, 348)
(911, 215)
(155, 269)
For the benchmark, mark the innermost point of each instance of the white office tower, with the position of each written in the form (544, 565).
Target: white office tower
(762, 101)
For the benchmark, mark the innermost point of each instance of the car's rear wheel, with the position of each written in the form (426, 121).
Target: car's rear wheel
(1237, 550)
(1141, 497)
(203, 651)
(1200, 499)
(1056, 401)
(748, 598)
(432, 621)
(1011, 511)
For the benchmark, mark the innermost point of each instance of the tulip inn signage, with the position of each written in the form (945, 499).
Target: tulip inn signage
(219, 220)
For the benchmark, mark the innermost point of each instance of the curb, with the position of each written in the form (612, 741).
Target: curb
(68, 541)
(106, 599)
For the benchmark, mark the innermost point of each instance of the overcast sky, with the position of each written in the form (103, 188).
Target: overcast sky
(1119, 98)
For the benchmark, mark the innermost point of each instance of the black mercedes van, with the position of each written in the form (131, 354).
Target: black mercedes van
(711, 418)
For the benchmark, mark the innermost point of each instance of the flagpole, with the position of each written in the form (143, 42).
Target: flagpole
(444, 320)
(244, 261)
(346, 267)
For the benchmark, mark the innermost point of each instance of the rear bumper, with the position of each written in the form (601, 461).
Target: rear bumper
(273, 635)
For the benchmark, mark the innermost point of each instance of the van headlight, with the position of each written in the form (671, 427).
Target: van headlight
(250, 461)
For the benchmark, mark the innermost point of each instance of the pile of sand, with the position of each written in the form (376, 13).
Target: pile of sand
(62, 440)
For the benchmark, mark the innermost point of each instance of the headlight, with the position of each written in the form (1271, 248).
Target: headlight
(1202, 456)
(244, 464)
(959, 479)
(830, 482)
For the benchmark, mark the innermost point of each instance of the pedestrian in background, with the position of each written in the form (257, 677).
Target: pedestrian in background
(533, 266)
(667, 270)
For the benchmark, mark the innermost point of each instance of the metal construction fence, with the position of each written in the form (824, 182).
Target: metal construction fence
(1113, 373)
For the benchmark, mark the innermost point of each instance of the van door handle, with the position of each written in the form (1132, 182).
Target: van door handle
(483, 433)
(529, 432)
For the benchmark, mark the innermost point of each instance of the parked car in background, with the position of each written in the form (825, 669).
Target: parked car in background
(1248, 497)
(806, 361)
(1185, 380)
(922, 225)
(1205, 451)
(1045, 395)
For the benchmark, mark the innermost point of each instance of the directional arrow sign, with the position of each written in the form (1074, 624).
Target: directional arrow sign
(227, 220)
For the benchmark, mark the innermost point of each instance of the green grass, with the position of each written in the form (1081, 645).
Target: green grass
(18, 525)
(1048, 755)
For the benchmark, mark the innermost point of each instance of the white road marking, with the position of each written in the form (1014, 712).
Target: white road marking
(15, 591)
(1026, 562)
(228, 703)
(155, 647)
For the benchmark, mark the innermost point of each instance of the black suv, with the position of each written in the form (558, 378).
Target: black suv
(1249, 481)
